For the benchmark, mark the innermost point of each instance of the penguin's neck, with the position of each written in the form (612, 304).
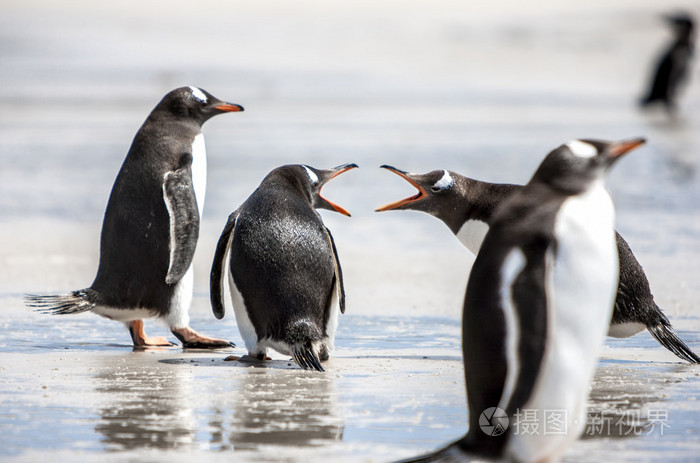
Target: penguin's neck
(473, 225)
(199, 170)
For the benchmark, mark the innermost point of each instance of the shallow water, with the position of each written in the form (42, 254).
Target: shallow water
(483, 90)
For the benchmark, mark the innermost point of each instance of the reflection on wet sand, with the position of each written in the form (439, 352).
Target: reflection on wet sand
(279, 407)
(624, 403)
(147, 406)
(159, 405)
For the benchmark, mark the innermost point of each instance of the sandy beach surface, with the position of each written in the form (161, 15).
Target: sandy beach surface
(482, 89)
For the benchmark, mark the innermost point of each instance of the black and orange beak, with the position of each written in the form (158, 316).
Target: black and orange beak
(229, 107)
(623, 147)
(326, 176)
(411, 199)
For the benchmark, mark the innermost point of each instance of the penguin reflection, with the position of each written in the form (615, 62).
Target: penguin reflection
(280, 407)
(145, 410)
(672, 67)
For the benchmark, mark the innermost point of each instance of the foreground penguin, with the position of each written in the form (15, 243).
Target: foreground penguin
(674, 65)
(284, 274)
(151, 226)
(466, 206)
(538, 304)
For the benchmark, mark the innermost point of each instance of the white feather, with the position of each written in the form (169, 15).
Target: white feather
(199, 95)
(178, 316)
(472, 234)
(582, 149)
(312, 175)
(512, 266)
(625, 330)
(445, 182)
(245, 326)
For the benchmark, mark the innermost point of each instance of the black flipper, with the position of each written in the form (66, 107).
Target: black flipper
(218, 268)
(338, 273)
(180, 200)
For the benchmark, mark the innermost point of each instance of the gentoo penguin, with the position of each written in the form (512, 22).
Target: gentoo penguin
(538, 304)
(151, 226)
(466, 205)
(284, 274)
(674, 64)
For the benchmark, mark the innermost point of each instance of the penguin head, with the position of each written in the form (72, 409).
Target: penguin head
(309, 181)
(682, 23)
(572, 167)
(435, 190)
(195, 104)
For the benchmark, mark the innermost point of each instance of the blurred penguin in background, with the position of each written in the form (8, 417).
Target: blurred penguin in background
(672, 68)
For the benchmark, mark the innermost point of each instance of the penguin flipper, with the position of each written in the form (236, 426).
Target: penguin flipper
(180, 200)
(218, 268)
(338, 273)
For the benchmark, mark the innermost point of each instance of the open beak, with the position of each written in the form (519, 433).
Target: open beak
(412, 199)
(335, 172)
(229, 107)
(625, 146)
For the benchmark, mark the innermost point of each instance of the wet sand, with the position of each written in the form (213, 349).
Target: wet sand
(483, 91)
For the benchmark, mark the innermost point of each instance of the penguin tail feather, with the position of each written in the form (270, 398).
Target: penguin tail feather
(306, 356)
(61, 304)
(665, 335)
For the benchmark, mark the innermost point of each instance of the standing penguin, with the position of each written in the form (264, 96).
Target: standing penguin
(284, 274)
(151, 226)
(674, 64)
(466, 205)
(538, 304)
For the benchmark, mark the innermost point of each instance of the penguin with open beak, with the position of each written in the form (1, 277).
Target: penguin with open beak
(466, 206)
(285, 277)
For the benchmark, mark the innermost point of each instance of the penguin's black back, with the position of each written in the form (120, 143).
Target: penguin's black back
(282, 262)
(135, 240)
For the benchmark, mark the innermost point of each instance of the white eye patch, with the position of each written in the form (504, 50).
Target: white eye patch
(582, 149)
(199, 95)
(312, 176)
(444, 183)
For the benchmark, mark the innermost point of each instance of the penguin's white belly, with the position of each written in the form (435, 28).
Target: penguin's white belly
(245, 326)
(625, 330)
(199, 170)
(581, 283)
(472, 234)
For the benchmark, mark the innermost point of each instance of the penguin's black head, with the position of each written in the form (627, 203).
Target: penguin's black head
(311, 180)
(572, 167)
(435, 190)
(682, 23)
(194, 103)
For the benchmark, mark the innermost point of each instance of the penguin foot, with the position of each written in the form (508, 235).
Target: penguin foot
(138, 336)
(190, 339)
